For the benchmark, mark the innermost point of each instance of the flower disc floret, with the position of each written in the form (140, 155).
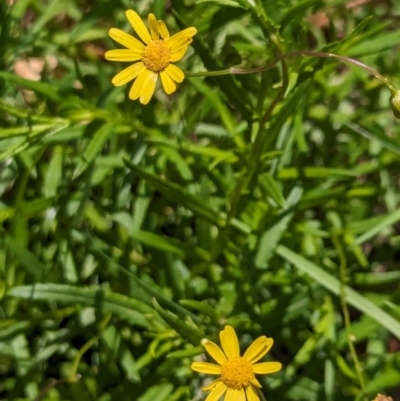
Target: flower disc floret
(237, 373)
(156, 56)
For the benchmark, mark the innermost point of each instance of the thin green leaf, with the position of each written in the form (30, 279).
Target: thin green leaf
(331, 283)
(94, 147)
(186, 330)
(31, 263)
(122, 306)
(228, 3)
(272, 187)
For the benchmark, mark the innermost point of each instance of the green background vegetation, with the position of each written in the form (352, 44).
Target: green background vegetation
(266, 201)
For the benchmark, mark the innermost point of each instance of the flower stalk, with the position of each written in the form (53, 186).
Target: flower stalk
(395, 93)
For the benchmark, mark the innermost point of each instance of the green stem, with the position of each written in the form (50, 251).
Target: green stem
(259, 13)
(342, 59)
(241, 183)
(259, 142)
(208, 73)
(73, 376)
(79, 75)
(345, 310)
(53, 383)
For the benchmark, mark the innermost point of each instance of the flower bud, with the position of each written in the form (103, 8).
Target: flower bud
(395, 103)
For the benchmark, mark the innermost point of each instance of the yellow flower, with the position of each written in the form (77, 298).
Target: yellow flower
(237, 372)
(156, 54)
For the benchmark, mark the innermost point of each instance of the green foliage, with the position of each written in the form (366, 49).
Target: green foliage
(268, 201)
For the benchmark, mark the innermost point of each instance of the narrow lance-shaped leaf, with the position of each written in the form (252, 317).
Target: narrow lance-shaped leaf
(189, 332)
(94, 147)
(120, 305)
(330, 282)
(154, 292)
(178, 194)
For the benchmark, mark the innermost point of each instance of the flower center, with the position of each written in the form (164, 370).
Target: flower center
(237, 373)
(156, 55)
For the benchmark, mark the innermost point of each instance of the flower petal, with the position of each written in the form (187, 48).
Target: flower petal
(251, 394)
(177, 45)
(267, 367)
(138, 25)
(148, 88)
(189, 32)
(255, 382)
(123, 55)
(229, 341)
(128, 74)
(258, 349)
(170, 87)
(211, 385)
(180, 38)
(180, 46)
(205, 367)
(163, 30)
(153, 27)
(215, 352)
(137, 86)
(125, 39)
(217, 392)
(233, 394)
(175, 73)
(178, 55)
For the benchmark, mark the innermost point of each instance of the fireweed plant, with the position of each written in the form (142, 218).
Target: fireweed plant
(199, 200)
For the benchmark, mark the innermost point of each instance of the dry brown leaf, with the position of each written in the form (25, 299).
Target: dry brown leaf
(32, 68)
(320, 19)
(381, 397)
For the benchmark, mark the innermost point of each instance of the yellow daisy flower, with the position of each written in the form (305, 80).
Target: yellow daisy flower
(237, 372)
(156, 54)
